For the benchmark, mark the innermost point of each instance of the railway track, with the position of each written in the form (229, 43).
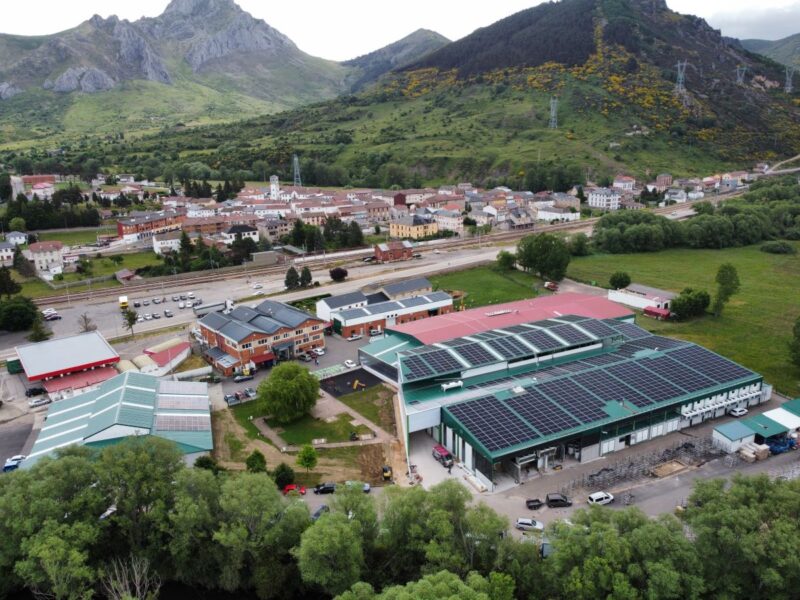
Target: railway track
(352, 258)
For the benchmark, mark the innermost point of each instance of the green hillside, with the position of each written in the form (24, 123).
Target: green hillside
(785, 51)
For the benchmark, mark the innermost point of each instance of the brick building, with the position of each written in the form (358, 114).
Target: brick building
(251, 337)
(140, 226)
(392, 251)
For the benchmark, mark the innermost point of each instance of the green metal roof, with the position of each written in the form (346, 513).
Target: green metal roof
(129, 402)
(734, 431)
(793, 406)
(764, 426)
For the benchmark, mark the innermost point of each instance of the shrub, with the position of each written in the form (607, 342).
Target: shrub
(778, 248)
(619, 280)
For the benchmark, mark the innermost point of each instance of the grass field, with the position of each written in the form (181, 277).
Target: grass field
(243, 415)
(486, 285)
(375, 404)
(75, 238)
(755, 327)
(308, 428)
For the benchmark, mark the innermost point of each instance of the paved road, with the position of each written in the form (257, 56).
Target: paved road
(14, 435)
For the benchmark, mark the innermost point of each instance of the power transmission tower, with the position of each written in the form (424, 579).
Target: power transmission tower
(741, 71)
(789, 88)
(553, 113)
(680, 84)
(296, 164)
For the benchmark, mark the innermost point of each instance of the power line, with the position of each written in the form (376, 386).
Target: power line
(553, 113)
(788, 87)
(741, 71)
(296, 166)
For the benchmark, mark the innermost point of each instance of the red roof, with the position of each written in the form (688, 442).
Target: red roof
(80, 380)
(165, 356)
(476, 320)
(653, 311)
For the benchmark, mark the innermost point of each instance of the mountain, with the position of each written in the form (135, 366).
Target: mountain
(369, 67)
(200, 61)
(785, 51)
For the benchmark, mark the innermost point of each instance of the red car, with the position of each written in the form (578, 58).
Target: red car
(293, 487)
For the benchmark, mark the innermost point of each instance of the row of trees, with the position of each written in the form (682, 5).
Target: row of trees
(545, 255)
(52, 214)
(334, 235)
(219, 530)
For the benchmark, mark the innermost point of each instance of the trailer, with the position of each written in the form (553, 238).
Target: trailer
(224, 307)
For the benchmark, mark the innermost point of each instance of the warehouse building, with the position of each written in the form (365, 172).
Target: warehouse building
(642, 296)
(377, 317)
(536, 383)
(130, 404)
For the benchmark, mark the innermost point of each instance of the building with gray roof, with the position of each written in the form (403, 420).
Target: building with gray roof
(374, 318)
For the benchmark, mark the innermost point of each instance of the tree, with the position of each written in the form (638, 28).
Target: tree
(129, 318)
(283, 475)
(84, 267)
(18, 313)
(8, 287)
(727, 285)
(307, 457)
(39, 332)
(619, 280)
(130, 579)
(305, 277)
(690, 303)
(338, 274)
(579, 245)
(794, 345)
(243, 248)
(298, 234)
(442, 584)
(377, 229)
(6, 190)
(208, 463)
(23, 266)
(545, 254)
(330, 554)
(506, 261)
(86, 324)
(355, 237)
(17, 224)
(292, 280)
(288, 393)
(256, 462)
(117, 259)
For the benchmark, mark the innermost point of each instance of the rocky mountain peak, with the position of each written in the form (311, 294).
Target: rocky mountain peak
(199, 8)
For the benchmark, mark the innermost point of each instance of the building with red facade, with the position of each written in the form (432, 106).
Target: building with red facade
(258, 336)
(139, 226)
(392, 251)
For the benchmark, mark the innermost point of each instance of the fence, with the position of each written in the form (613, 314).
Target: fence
(638, 467)
(76, 285)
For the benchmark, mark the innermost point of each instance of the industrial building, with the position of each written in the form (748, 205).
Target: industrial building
(65, 366)
(377, 317)
(531, 384)
(642, 296)
(130, 404)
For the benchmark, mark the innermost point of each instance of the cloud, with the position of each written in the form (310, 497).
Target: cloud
(760, 23)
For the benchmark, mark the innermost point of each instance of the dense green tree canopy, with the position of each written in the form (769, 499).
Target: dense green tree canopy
(545, 255)
(289, 392)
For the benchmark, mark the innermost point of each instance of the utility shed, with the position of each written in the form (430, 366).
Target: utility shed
(729, 437)
(764, 427)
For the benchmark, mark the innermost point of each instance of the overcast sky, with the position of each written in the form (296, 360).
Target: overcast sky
(342, 29)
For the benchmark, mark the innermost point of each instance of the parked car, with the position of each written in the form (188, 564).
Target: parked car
(148, 316)
(365, 487)
(13, 463)
(241, 378)
(34, 391)
(156, 300)
(136, 304)
(551, 285)
(181, 305)
(156, 315)
(534, 503)
(319, 512)
(737, 412)
(304, 357)
(416, 255)
(354, 337)
(37, 402)
(368, 259)
(350, 364)
(189, 304)
(556, 500)
(374, 332)
(168, 313)
(251, 392)
(600, 498)
(48, 311)
(525, 524)
(257, 286)
(231, 399)
(190, 295)
(176, 298)
(52, 317)
(293, 487)
(182, 297)
(325, 488)
(140, 319)
(442, 454)
(145, 302)
(319, 351)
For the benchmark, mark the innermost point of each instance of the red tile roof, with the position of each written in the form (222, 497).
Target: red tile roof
(477, 320)
(45, 246)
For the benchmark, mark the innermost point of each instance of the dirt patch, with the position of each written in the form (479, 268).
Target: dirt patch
(386, 410)
(231, 444)
(669, 468)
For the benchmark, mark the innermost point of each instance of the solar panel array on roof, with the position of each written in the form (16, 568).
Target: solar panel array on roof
(629, 330)
(455, 342)
(540, 412)
(548, 323)
(689, 379)
(597, 328)
(572, 318)
(601, 359)
(509, 348)
(711, 365)
(183, 422)
(486, 335)
(657, 342)
(492, 423)
(183, 402)
(517, 329)
(541, 340)
(441, 361)
(575, 399)
(570, 335)
(610, 389)
(476, 355)
(416, 368)
(648, 383)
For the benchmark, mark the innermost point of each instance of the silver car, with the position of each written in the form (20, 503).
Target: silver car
(600, 498)
(525, 524)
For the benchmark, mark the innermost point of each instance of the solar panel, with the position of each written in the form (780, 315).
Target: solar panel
(645, 382)
(570, 335)
(487, 335)
(610, 389)
(441, 361)
(629, 330)
(688, 379)
(183, 402)
(540, 412)
(457, 342)
(492, 423)
(414, 301)
(476, 355)
(597, 328)
(575, 399)
(547, 323)
(517, 329)
(183, 423)
(571, 318)
(601, 359)
(509, 347)
(713, 366)
(415, 367)
(657, 342)
(541, 340)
